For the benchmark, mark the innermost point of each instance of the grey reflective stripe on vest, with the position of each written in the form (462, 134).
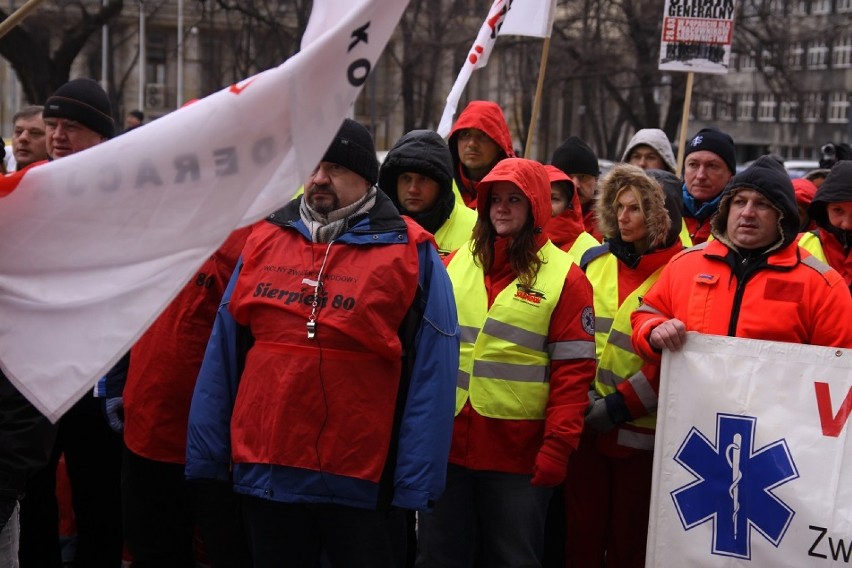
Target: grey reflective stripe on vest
(607, 377)
(816, 264)
(637, 440)
(644, 391)
(511, 372)
(463, 380)
(621, 340)
(562, 350)
(468, 334)
(602, 324)
(514, 334)
(647, 308)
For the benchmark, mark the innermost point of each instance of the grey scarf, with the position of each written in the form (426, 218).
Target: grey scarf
(326, 228)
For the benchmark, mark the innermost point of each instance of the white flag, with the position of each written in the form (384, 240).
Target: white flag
(478, 57)
(533, 18)
(96, 244)
(506, 17)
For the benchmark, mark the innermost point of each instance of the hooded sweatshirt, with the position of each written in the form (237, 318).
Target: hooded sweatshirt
(511, 446)
(425, 152)
(656, 139)
(836, 243)
(567, 230)
(487, 117)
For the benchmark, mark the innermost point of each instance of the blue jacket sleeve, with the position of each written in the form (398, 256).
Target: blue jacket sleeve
(427, 422)
(208, 443)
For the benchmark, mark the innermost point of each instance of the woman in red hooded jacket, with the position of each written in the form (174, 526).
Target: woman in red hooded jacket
(526, 362)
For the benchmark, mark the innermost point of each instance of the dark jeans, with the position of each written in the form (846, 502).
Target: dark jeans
(158, 524)
(484, 518)
(93, 458)
(297, 534)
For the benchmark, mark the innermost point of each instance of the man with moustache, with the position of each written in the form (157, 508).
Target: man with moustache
(327, 391)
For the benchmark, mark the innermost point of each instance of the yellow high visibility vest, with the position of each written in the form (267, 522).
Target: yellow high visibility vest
(617, 361)
(582, 243)
(504, 359)
(811, 243)
(456, 230)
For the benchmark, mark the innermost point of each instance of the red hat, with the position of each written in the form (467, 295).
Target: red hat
(805, 191)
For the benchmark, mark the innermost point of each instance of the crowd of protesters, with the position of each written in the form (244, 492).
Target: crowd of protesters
(422, 363)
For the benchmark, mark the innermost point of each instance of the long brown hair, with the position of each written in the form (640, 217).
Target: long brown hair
(522, 253)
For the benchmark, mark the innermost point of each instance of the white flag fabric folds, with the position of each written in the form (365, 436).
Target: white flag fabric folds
(477, 58)
(752, 460)
(96, 244)
(506, 17)
(532, 18)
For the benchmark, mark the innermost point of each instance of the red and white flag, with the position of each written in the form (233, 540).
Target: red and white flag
(506, 17)
(96, 244)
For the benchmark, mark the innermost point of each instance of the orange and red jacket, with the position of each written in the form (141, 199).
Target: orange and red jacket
(793, 297)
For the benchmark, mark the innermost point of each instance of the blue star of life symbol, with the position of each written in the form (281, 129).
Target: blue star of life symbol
(734, 484)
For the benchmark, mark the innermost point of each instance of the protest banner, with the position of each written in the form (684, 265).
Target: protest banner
(96, 244)
(752, 460)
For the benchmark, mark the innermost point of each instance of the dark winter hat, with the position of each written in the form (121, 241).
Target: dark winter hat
(836, 188)
(353, 148)
(769, 178)
(714, 140)
(86, 102)
(574, 156)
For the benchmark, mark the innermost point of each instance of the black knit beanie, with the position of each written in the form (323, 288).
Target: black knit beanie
(574, 156)
(353, 148)
(86, 102)
(714, 140)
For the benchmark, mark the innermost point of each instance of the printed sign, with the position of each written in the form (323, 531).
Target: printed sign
(752, 463)
(697, 35)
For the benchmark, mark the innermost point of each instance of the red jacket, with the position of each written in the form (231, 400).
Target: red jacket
(836, 256)
(510, 446)
(793, 298)
(164, 363)
(698, 230)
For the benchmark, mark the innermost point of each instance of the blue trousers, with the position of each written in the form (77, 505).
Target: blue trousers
(484, 518)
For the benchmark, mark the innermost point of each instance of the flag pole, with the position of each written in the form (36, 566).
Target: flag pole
(18, 15)
(684, 122)
(537, 100)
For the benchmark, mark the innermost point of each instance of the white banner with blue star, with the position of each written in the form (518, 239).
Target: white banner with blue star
(752, 462)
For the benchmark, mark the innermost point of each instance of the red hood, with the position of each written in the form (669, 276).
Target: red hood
(487, 117)
(565, 227)
(530, 176)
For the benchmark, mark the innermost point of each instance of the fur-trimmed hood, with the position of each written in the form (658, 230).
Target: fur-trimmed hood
(656, 139)
(662, 231)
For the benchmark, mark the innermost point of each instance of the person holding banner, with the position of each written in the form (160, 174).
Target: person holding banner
(831, 210)
(527, 359)
(710, 161)
(326, 393)
(417, 175)
(608, 488)
(753, 268)
(479, 139)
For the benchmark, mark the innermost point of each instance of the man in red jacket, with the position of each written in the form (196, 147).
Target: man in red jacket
(753, 268)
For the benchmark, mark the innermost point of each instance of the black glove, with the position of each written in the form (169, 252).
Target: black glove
(604, 414)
